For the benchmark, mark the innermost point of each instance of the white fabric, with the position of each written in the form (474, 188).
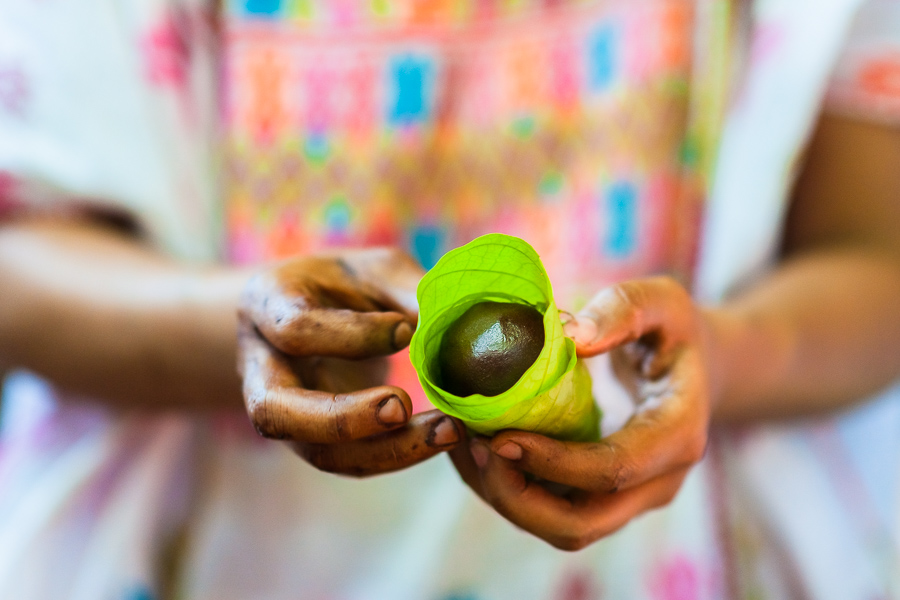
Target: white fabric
(82, 121)
(795, 45)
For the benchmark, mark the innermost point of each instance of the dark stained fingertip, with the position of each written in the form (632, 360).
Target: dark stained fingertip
(391, 412)
(402, 335)
(443, 433)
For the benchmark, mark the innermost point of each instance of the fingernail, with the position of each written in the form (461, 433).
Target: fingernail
(480, 453)
(585, 331)
(510, 451)
(391, 412)
(402, 334)
(444, 433)
(570, 327)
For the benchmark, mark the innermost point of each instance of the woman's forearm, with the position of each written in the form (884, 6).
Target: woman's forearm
(820, 333)
(822, 330)
(102, 316)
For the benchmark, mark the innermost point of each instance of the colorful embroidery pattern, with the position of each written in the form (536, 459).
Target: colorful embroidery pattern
(426, 126)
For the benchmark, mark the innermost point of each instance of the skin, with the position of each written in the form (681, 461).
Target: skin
(106, 316)
(816, 335)
(300, 325)
(103, 316)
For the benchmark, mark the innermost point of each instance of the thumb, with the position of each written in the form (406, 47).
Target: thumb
(628, 311)
(582, 329)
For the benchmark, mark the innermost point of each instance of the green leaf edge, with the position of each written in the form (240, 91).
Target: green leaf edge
(576, 419)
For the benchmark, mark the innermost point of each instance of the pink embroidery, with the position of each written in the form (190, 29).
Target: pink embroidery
(14, 91)
(481, 75)
(767, 40)
(565, 67)
(343, 12)
(639, 46)
(360, 114)
(244, 245)
(319, 84)
(676, 579)
(167, 52)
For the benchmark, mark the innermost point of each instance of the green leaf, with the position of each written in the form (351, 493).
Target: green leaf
(553, 397)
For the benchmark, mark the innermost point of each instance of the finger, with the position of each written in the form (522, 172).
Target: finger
(393, 272)
(461, 456)
(572, 522)
(520, 500)
(325, 418)
(340, 333)
(425, 435)
(668, 434)
(633, 311)
(319, 308)
(336, 283)
(279, 408)
(339, 375)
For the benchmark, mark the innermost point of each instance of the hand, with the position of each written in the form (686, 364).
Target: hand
(311, 336)
(655, 335)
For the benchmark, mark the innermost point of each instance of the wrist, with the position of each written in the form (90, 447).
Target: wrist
(747, 356)
(718, 332)
(213, 293)
(197, 328)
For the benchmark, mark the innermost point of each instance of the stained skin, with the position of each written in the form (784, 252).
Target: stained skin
(489, 347)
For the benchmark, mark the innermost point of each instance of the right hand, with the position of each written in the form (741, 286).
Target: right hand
(660, 346)
(313, 332)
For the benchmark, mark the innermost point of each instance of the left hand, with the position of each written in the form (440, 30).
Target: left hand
(656, 336)
(312, 334)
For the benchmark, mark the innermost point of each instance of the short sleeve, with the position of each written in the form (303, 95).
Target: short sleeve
(108, 105)
(866, 81)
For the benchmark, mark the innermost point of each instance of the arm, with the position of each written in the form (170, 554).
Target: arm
(102, 316)
(817, 333)
(823, 330)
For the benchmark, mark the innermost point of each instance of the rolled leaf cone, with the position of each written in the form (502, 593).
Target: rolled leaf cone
(553, 397)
